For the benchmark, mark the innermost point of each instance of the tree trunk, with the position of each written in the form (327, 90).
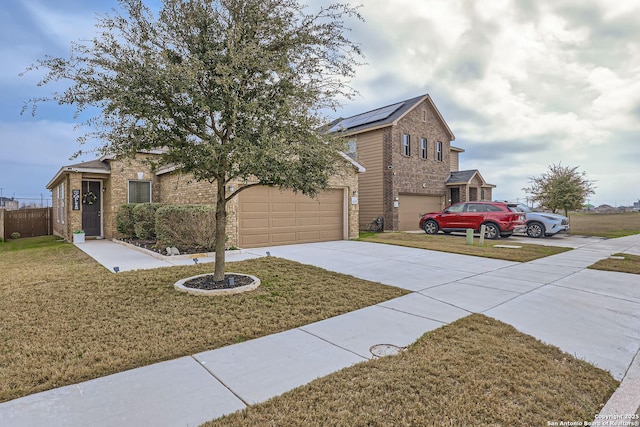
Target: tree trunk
(221, 229)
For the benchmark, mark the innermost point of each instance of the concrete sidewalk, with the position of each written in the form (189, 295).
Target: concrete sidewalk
(591, 314)
(127, 257)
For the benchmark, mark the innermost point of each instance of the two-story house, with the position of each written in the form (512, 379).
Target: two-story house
(411, 166)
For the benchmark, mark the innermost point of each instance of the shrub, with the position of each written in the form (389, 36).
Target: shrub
(144, 216)
(186, 226)
(15, 235)
(125, 222)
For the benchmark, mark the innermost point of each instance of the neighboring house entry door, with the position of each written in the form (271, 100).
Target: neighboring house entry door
(455, 195)
(91, 208)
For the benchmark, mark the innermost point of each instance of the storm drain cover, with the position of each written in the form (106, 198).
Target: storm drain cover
(382, 350)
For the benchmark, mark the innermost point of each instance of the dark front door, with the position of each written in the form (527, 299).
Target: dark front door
(91, 208)
(455, 195)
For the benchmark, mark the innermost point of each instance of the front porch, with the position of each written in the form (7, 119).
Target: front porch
(468, 186)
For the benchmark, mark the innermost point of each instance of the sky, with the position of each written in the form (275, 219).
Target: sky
(522, 84)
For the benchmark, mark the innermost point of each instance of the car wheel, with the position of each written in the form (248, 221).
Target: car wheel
(430, 227)
(491, 231)
(535, 229)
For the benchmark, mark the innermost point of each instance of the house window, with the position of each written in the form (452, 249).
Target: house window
(406, 144)
(351, 149)
(139, 191)
(423, 148)
(439, 151)
(424, 115)
(60, 204)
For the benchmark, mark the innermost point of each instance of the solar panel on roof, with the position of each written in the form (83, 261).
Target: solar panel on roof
(365, 118)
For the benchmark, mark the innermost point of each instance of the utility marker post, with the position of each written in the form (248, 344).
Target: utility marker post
(469, 236)
(483, 229)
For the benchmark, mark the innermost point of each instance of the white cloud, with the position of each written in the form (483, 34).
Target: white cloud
(542, 82)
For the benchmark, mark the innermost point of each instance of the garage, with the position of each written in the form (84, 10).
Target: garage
(268, 216)
(410, 207)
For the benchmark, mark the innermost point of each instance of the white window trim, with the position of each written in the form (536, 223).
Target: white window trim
(58, 204)
(352, 147)
(439, 149)
(424, 148)
(139, 180)
(406, 148)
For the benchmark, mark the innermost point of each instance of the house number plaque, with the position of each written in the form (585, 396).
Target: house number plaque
(75, 196)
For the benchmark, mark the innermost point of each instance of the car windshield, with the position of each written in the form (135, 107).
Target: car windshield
(524, 208)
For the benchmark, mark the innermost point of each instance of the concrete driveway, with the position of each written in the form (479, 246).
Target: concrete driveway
(591, 314)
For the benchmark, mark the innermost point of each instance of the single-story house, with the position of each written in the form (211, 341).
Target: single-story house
(87, 195)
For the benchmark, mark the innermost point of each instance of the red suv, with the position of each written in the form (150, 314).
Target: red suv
(500, 219)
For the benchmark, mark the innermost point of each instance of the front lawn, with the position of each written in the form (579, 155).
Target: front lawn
(474, 372)
(66, 319)
(457, 244)
(628, 264)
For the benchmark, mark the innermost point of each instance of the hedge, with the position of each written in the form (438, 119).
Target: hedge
(144, 215)
(186, 226)
(125, 223)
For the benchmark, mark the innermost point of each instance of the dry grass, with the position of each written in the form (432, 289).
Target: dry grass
(66, 319)
(605, 225)
(457, 244)
(630, 264)
(474, 372)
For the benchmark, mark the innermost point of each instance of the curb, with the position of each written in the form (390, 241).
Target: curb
(623, 406)
(174, 257)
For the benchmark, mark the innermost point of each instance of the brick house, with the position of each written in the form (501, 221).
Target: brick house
(87, 195)
(411, 166)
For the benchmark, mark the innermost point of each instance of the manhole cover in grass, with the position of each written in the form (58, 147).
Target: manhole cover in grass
(382, 350)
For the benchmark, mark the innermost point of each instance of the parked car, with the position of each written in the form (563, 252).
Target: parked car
(541, 224)
(500, 219)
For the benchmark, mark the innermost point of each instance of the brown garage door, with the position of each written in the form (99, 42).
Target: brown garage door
(268, 216)
(411, 206)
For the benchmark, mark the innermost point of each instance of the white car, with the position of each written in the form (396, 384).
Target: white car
(544, 224)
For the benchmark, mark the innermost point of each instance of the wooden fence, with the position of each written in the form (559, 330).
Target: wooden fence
(27, 222)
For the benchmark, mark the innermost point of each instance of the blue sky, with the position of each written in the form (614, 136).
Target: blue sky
(521, 83)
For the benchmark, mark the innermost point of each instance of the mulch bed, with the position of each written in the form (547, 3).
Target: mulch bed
(152, 245)
(207, 283)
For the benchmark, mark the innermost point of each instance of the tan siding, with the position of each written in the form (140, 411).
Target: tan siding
(455, 162)
(370, 145)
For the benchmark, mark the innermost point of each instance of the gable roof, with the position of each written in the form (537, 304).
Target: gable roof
(98, 166)
(465, 177)
(388, 115)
